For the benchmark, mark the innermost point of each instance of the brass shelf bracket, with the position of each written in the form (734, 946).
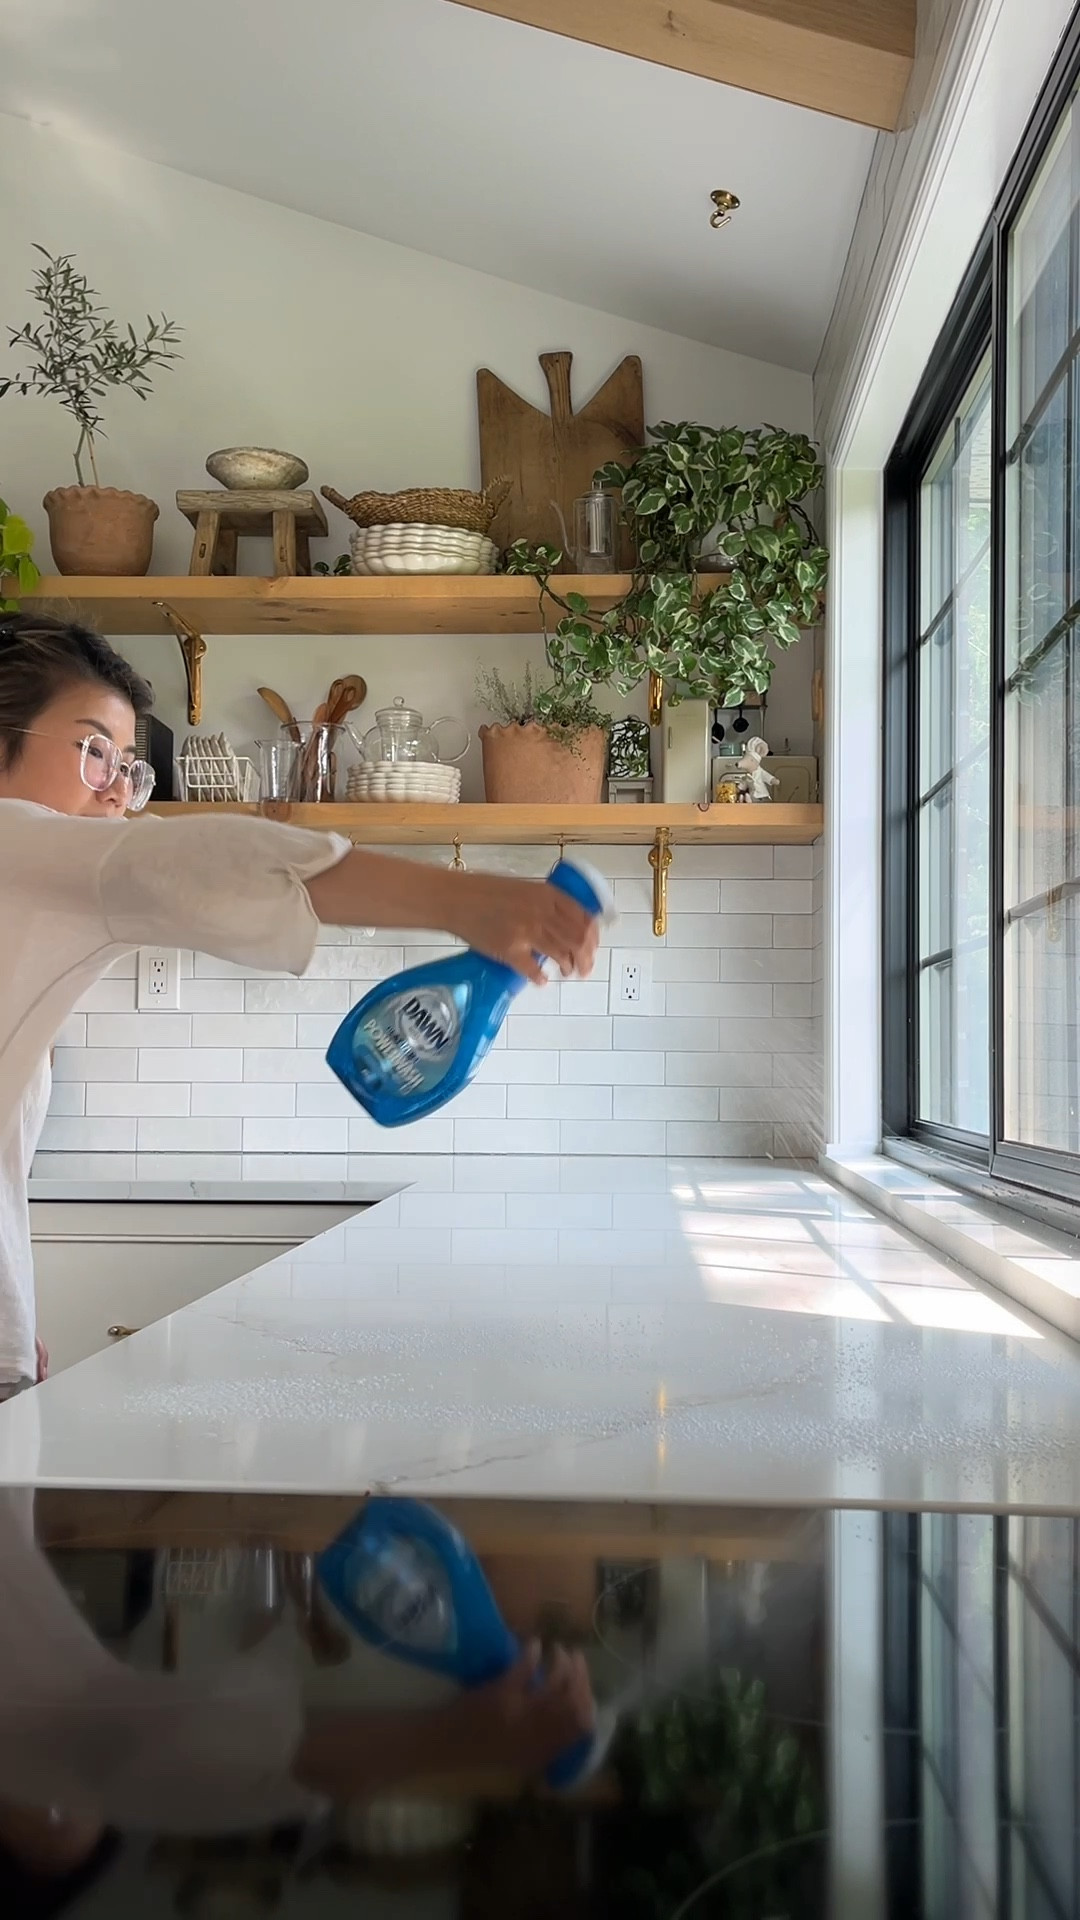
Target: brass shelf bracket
(656, 699)
(193, 648)
(660, 861)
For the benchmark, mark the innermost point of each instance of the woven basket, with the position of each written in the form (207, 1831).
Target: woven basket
(424, 506)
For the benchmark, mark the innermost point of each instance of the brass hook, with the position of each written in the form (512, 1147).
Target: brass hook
(660, 861)
(457, 864)
(193, 648)
(656, 699)
(725, 204)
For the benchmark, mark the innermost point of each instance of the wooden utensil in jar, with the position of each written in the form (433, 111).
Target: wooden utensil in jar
(281, 711)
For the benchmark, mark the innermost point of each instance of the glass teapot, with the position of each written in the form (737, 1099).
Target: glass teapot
(399, 734)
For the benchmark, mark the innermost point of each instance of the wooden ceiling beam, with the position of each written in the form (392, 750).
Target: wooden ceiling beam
(851, 58)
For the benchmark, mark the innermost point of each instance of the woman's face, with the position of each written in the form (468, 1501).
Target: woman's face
(48, 770)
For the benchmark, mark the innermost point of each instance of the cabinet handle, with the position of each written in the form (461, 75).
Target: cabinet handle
(120, 1333)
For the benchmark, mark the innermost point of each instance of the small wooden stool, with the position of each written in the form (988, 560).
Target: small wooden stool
(220, 515)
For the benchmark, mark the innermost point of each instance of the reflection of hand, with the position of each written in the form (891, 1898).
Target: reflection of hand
(525, 1719)
(42, 1352)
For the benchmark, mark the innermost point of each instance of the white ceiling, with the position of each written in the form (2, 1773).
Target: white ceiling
(545, 161)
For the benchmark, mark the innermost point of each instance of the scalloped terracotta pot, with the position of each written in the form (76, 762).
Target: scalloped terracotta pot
(100, 529)
(524, 766)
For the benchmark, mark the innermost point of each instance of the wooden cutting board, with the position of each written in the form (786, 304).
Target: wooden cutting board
(553, 456)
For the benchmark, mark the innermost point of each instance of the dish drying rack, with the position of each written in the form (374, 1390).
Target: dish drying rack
(208, 771)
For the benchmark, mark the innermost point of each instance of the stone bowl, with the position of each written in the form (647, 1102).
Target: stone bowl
(238, 467)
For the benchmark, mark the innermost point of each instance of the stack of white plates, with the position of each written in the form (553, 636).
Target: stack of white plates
(417, 549)
(406, 780)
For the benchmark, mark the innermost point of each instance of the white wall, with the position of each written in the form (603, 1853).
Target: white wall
(355, 353)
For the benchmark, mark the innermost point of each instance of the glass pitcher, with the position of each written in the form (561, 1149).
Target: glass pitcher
(399, 734)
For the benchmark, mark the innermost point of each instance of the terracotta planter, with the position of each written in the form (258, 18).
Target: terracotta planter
(100, 529)
(524, 766)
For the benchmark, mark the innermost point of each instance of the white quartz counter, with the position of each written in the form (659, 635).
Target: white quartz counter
(580, 1328)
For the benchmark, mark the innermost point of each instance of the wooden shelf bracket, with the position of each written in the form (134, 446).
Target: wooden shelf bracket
(660, 861)
(192, 647)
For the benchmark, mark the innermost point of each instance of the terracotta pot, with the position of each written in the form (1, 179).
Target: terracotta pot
(525, 766)
(100, 529)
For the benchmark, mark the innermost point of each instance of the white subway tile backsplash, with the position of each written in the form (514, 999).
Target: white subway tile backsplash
(611, 1246)
(611, 1136)
(670, 965)
(611, 1069)
(766, 896)
(506, 1067)
(558, 1210)
(492, 1246)
(289, 1064)
(240, 1101)
(171, 1100)
(315, 1029)
(109, 995)
(294, 1136)
(179, 1063)
(201, 1135)
(726, 1142)
(751, 964)
(664, 1103)
(84, 1166)
(793, 930)
(475, 1210)
(730, 1002)
(296, 996)
(69, 1097)
(243, 1030)
(525, 1032)
(506, 1136)
(558, 1103)
(716, 1069)
(96, 1063)
(98, 1134)
(213, 996)
(793, 1002)
(722, 1054)
(669, 1034)
(73, 1031)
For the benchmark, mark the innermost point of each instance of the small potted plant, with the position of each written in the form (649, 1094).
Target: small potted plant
(74, 355)
(548, 744)
(17, 567)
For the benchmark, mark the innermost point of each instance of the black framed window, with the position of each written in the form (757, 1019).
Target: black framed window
(982, 774)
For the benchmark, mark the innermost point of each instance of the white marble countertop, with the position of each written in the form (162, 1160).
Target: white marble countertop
(581, 1329)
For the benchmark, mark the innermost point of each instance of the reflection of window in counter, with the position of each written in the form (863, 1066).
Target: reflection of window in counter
(982, 1711)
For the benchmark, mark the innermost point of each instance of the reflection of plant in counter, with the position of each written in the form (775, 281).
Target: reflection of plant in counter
(712, 1780)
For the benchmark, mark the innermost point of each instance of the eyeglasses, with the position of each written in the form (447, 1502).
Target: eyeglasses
(102, 763)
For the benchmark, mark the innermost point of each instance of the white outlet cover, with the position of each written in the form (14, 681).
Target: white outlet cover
(649, 997)
(158, 980)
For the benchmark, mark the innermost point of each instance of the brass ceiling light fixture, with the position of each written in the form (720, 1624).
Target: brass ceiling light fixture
(724, 204)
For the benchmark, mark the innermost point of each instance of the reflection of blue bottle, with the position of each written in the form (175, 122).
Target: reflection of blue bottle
(408, 1584)
(415, 1040)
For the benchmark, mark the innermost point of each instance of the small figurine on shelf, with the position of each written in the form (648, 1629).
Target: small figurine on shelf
(758, 781)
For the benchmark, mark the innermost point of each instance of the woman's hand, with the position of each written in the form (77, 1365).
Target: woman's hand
(42, 1352)
(524, 1722)
(517, 920)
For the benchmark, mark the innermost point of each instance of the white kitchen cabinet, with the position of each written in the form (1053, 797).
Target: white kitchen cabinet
(100, 1264)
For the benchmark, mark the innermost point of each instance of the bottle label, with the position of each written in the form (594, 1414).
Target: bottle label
(415, 1035)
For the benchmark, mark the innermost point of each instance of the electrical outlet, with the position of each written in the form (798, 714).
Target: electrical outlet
(630, 990)
(629, 983)
(159, 980)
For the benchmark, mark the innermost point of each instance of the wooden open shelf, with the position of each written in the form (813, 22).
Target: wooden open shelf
(432, 603)
(375, 824)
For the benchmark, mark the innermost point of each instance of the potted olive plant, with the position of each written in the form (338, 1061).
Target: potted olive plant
(75, 354)
(548, 744)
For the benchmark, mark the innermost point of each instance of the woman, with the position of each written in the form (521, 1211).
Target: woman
(80, 885)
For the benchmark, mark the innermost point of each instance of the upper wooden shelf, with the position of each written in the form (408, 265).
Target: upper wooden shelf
(376, 824)
(417, 603)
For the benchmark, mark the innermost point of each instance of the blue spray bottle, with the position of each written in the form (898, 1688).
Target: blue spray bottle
(416, 1039)
(410, 1585)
